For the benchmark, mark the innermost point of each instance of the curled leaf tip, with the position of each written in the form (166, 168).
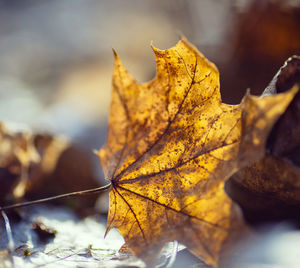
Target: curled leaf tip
(114, 52)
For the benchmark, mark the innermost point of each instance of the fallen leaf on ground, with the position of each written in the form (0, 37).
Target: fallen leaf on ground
(273, 183)
(44, 233)
(171, 146)
(64, 167)
(38, 165)
(284, 140)
(17, 155)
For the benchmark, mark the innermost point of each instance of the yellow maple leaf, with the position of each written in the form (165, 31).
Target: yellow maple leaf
(171, 145)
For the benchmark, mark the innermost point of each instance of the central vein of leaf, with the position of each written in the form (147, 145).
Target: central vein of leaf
(119, 176)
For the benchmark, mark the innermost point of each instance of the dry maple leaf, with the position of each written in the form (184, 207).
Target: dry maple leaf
(17, 156)
(273, 183)
(64, 167)
(171, 145)
(34, 166)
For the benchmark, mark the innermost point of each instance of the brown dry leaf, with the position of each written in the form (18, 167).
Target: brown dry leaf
(64, 167)
(273, 184)
(36, 166)
(284, 140)
(171, 145)
(17, 155)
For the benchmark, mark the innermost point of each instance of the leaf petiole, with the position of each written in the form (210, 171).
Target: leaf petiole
(43, 200)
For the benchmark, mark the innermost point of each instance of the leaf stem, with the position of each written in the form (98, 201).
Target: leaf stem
(43, 200)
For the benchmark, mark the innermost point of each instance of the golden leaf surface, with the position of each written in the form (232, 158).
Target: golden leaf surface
(170, 147)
